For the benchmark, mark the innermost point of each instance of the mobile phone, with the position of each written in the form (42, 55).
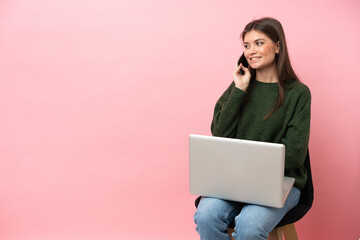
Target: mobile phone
(244, 62)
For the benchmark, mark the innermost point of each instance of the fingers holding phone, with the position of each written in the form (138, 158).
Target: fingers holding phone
(242, 77)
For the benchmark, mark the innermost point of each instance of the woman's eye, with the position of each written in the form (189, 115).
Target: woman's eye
(259, 43)
(246, 46)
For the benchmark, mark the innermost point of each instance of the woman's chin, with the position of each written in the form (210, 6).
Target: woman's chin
(254, 67)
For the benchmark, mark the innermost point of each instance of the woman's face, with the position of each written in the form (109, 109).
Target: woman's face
(260, 50)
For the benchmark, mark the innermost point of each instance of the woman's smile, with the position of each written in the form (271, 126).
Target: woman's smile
(254, 59)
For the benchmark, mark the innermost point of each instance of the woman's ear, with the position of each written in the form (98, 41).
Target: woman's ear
(277, 50)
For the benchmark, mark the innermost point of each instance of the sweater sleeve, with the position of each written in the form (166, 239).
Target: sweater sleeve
(227, 112)
(296, 138)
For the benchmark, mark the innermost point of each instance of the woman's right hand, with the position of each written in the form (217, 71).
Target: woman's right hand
(242, 81)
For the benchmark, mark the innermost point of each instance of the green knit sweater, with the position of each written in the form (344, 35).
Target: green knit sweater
(239, 114)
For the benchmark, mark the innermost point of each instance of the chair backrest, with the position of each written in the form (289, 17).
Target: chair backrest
(306, 198)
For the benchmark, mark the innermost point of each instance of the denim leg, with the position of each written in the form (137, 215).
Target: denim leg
(213, 216)
(256, 222)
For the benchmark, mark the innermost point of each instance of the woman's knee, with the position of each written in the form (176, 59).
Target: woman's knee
(211, 212)
(203, 218)
(206, 216)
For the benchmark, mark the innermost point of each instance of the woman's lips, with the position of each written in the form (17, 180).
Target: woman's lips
(254, 59)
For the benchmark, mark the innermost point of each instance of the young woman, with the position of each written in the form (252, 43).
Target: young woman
(265, 102)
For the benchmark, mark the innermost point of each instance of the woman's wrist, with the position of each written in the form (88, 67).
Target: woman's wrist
(242, 87)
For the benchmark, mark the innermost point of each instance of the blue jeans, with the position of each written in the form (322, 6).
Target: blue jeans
(252, 222)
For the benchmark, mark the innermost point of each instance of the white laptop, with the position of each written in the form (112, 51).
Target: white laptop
(238, 170)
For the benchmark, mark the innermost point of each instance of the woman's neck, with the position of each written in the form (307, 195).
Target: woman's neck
(267, 75)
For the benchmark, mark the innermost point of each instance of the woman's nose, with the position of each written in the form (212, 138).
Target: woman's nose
(252, 49)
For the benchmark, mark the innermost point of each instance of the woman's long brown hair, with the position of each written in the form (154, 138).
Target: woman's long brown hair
(273, 29)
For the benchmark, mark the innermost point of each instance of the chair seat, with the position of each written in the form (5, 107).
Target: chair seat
(288, 231)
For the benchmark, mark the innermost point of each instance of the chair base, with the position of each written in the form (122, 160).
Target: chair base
(288, 231)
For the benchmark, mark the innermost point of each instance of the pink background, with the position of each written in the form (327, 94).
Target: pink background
(97, 99)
